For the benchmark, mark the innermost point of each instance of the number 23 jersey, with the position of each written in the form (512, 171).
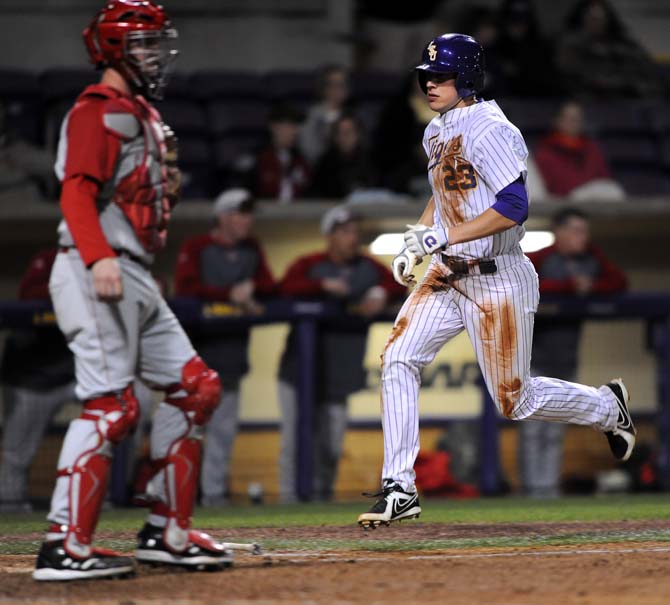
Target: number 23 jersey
(473, 153)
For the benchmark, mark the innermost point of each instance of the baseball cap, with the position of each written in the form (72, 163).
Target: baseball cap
(335, 217)
(232, 200)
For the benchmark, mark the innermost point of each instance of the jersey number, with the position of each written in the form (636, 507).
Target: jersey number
(461, 177)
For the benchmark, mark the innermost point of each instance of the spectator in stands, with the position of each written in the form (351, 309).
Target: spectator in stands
(572, 164)
(572, 266)
(345, 165)
(398, 154)
(344, 276)
(598, 57)
(334, 97)
(524, 58)
(281, 172)
(26, 171)
(226, 265)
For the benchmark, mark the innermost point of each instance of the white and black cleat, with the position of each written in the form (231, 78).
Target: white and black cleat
(55, 564)
(394, 504)
(202, 553)
(622, 438)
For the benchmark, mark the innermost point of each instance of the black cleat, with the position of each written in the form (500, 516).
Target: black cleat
(201, 554)
(622, 438)
(394, 504)
(54, 563)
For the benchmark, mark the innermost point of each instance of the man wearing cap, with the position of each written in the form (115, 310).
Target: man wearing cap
(361, 285)
(226, 265)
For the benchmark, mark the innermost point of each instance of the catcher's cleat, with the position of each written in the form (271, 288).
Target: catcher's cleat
(202, 553)
(394, 504)
(54, 564)
(622, 438)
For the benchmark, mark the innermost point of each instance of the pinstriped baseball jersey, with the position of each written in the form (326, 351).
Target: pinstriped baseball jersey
(473, 153)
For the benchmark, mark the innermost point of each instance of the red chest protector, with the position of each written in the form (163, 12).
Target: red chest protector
(140, 178)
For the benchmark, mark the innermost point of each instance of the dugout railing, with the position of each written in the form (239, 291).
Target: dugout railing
(308, 316)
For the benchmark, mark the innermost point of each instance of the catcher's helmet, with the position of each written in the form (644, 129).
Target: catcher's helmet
(458, 54)
(137, 38)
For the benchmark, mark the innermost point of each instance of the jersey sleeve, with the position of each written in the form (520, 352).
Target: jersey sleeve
(89, 156)
(91, 149)
(499, 156)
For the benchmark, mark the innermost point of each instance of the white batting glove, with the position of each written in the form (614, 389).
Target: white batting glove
(421, 239)
(403, 265)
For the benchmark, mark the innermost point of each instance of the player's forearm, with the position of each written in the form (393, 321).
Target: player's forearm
(487, 223)
(427, 216)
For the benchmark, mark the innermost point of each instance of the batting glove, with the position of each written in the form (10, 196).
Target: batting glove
(421, 239)
(402, 266)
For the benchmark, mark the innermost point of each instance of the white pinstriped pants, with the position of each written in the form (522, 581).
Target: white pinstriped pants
(497, 311)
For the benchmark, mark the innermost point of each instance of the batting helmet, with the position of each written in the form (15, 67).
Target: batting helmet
(137, 38)
(454, 54)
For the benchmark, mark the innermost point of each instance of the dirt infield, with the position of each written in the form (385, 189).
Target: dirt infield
(631, 572)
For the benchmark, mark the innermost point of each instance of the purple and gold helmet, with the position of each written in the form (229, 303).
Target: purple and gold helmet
(454, 54)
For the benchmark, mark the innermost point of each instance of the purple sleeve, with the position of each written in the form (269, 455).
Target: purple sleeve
(512, 202)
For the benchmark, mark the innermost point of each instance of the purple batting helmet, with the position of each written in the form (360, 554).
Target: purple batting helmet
(454, 54)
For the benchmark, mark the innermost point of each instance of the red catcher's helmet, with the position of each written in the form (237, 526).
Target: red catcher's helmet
(137, 38)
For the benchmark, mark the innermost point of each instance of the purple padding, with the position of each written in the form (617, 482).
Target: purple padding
(512, 202)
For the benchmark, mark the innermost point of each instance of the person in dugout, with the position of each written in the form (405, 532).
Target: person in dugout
(572, 266)
(362, 286)
(227, 265)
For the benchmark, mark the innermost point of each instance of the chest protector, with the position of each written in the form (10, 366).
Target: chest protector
(140, 179)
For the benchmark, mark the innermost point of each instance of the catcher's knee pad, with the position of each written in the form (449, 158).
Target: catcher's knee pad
(116, 414)
(199, 392)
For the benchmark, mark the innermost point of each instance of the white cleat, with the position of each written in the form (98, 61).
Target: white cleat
(394, 504)
(621, 438)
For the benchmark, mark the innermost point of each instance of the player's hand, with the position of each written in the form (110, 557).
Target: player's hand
(335, 286)
(107, 280)
(403, 265)
(242, 293)
(421, 239)
(373, 302)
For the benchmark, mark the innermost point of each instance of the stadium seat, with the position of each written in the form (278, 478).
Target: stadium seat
(184, 116)
(179, 86)
(21, 95)
(532, 116)
(236, 152)
(211, 85)
(638, 149)
(237, 116)
(58, 84)
(367, 85)
(640, 180)
(619, 117)
(291, 85)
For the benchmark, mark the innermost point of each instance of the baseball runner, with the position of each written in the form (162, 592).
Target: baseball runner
(478, 280)
(115, 161)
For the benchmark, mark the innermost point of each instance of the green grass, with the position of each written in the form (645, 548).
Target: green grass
(494, 510)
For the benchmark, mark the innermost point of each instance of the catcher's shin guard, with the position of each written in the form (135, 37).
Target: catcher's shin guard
(196, 397)
(114, 417)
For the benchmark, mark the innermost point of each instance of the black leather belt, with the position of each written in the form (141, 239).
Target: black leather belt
(470, 266)
(118, 251)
